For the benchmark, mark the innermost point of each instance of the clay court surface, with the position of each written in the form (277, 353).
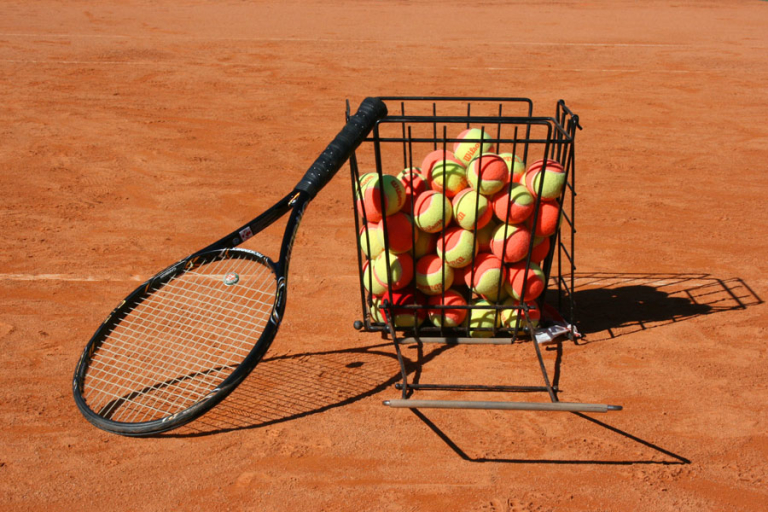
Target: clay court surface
(132, 134)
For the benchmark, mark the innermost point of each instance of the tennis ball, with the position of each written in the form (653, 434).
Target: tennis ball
(433, 211)
(485, 319)
(513, 203)
(448, 177)
(485, 235)
(489, 277)
(553, 178)
(487, 174)
(403, 317)
(518, 238)
(426, 243)
(369, 240)
(458, 248)
(468, 147)
(548, 220)
(433, 275)
(400, 270)
(415, 183)
(515, 166)
(370, 283)
(517, 282)
(447, 317)
(515, 318)
(364, 181)
(470, 207)
(376, 315)
(540, 250)
(394, 197)
(435, 156)
(400, 232)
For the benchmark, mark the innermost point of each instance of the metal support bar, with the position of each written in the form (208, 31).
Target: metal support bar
(472, 387)
(508, 406)
(451, 340)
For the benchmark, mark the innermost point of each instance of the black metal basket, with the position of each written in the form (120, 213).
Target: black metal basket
(416, 126)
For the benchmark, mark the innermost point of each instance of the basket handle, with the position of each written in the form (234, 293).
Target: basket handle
(339, 150)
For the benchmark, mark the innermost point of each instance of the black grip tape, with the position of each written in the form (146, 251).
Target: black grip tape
(339, 150)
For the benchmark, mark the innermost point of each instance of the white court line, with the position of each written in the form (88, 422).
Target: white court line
(21, 34)
(332, 40)
(361, 40)
(64, 277)
(450, 68)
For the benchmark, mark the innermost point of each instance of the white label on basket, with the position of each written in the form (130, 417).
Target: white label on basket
(549, 334)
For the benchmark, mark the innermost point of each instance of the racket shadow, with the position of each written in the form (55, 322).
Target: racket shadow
(287, 387)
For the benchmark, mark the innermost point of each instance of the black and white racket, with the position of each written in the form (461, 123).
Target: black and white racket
(183, 340)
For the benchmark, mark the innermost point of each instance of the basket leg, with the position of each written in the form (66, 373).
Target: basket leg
(542, 366)
(393, 335)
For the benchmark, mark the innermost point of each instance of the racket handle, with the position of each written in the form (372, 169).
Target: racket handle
(339, 150)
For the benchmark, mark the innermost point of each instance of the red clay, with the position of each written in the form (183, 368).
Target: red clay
(121, 123)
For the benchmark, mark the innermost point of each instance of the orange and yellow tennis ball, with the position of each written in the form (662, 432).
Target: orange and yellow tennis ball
(435, 156)
(400, 271)
(458, 248)
(515, 166)
(471, 210)
(415, 183)
(513, 204)
(403, 317)
(515, 318)
(433, 275)
(471, 143)
(510, 242)
(401, 233)
(443, 316)
(433, 211)
(547, 221)
(550, 178)
(448, 177)
(481, 320)
(487, 174)
(373, 307)
(363, 182)
(489, 277)
(372, 206)
(369, 240)
(370, 283)
(519, 282)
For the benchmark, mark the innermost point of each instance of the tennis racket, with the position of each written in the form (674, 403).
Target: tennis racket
(187, 337)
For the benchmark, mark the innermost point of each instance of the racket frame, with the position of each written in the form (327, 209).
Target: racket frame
(371, 111)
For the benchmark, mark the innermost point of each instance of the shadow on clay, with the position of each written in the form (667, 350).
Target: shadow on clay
(670, 458)
(287, 387)
(610, 305)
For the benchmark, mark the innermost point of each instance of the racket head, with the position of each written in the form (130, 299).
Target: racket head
(180, 343)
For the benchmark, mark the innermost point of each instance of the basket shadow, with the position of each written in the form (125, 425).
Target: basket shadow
(286, 387)
(610, 305)
(670, 457)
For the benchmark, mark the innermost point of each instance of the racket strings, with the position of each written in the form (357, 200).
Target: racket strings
(173, 348)
(168, 357)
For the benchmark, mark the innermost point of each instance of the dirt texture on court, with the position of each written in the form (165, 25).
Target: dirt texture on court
(134, 133)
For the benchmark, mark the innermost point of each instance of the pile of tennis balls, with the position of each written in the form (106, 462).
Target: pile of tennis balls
(459, 207)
